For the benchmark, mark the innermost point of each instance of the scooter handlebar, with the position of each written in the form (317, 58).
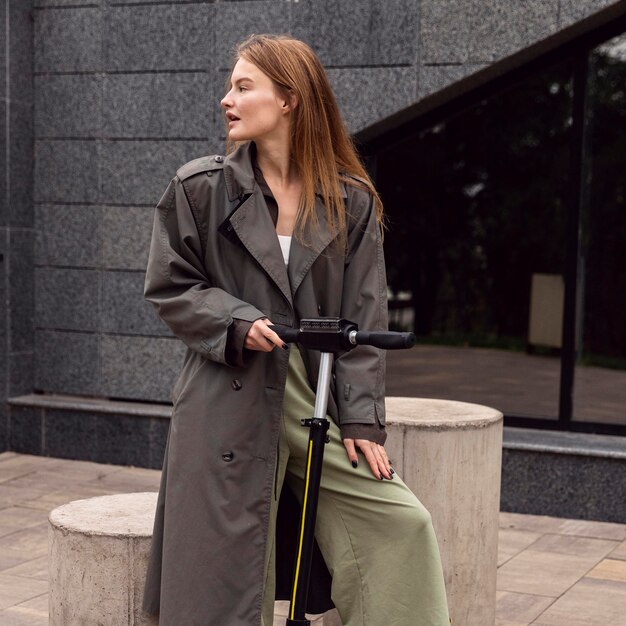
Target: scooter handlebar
(383, 339)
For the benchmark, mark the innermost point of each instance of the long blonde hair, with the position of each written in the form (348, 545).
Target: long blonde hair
(317, 129)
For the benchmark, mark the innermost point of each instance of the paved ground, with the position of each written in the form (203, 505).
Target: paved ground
(552, 572)
(513, 382)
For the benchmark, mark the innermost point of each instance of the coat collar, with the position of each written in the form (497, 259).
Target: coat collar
(252, 222)
(239, 172)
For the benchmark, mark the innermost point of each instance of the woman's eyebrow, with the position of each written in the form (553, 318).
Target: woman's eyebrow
(242, 79)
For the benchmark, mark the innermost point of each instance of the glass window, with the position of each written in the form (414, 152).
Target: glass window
(476, 249)
(600, 377)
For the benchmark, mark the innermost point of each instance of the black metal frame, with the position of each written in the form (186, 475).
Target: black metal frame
(574, 44)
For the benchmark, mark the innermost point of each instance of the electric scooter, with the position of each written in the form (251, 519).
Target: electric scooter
(329, 335)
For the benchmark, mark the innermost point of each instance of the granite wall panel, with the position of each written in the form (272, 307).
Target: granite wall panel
(71, 435)
(68, 40)
(571, 11)
(140, 368)
(67, 299)
(4, 207)
(68, 235)
(21, 290)
(433, 78)
(124, 309)
(20, 165)
(158, 37)
(126, 234)
(358, 34)
(67, 362)
(138, 172)
(66, 171)
(180, 105)
(21, 51)
(236, 20)
(25, 430)
(498, 28)
(444, 31)
(388, 89)
(68, 106)
(21, 369)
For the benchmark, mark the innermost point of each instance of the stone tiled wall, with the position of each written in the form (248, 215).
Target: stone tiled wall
(126, 91)
(16, 205)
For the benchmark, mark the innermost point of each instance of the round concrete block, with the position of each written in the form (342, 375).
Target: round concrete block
(98, 552)
(450, 455)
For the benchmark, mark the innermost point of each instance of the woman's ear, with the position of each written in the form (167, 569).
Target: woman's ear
(290, 102)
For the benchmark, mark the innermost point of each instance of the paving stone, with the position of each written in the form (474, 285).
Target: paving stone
(35, 568)
(588, 603)
(609, 569)
(512, 542)
(32, 541)
(543, 573)
(519, 609)
(16, 589)
(577, 546)
(619, 552)
(14, 518)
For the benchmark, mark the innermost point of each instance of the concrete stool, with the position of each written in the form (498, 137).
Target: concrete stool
(98, 557)
(450, 455)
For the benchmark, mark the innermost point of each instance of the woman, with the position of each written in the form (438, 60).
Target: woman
(287, 226)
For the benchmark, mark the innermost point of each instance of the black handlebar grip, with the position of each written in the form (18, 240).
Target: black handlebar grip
(286, 333)
(386, 340)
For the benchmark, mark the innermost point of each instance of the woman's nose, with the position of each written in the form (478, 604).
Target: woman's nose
(226, 101)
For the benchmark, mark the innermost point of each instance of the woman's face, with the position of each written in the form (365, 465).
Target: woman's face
(254, 108)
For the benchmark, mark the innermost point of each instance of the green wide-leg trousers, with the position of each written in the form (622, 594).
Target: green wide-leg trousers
(376, 537)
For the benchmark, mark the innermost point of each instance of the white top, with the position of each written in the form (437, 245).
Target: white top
(285, 246)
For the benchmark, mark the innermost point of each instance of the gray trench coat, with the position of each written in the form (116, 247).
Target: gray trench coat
(215, 258)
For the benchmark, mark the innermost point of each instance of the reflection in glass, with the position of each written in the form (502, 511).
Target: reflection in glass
(476, 209)
(600, 382)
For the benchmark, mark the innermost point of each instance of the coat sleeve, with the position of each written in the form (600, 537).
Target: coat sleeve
(360, 373)
(177, 285)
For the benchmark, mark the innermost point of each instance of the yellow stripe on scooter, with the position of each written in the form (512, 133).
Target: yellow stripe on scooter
(306, 494)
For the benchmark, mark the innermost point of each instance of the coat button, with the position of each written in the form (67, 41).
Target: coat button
(236, 384)
(219, 158)
(227, 456)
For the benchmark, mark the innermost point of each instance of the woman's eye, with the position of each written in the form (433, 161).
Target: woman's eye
(242, 89)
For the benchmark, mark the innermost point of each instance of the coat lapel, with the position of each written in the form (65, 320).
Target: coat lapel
(254, 227)
(316, 238)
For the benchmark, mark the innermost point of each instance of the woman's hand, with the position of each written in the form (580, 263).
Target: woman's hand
(374, 454)
(262, 338)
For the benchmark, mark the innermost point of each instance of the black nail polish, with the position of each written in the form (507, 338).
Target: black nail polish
(285, 346)
(392, 471)
(355, 464)
(380, 476)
